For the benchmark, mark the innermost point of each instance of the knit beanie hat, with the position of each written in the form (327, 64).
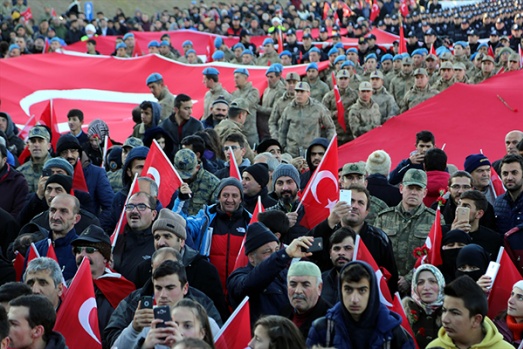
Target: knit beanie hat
(65, 181)
(286, 170)
(260, 173)
(257, 236)
(66, 142)
(230, 181)
(172, 222)
(60, 163)
(474, 161)
(304, 268)
(378, 162)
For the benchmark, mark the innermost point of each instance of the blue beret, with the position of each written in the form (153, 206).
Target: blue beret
(154, 77)
(386, 57)
(472, 56)
(338, 45)
(241, 71)
(187, 42)
(285, 53)
(352, 50)
(483, 44)
(272, 69)
(190, 51)
(164, 43)
(218, 55)
(55, 39)
(278, 66)
(440, 50)
(268, 41)
(369, 56)
(154, 43)
(13, 47)
(121, 45)
(211, 70)
(340, 58)
(397, 57)
(312, 66)
(247, 52)
(461, 43)
(315, 49)
(417, 52)
(218, 42)
(348, 63)
(127, 36)
(405, 54)
(424, 51)
(238, 45)
(333, 51)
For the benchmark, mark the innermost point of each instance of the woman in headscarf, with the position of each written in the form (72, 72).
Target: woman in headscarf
(510, 322)
(473, 261)
(451, 243)
(423, 308)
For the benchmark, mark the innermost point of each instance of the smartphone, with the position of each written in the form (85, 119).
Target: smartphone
(346, 195)
(47, 172)
(462, 214)
(492, 270)
(162, 312)
(147, 302)
(317, 245)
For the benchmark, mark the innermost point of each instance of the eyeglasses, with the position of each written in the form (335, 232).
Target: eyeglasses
(458, 187)
(231, 147)
(139, 207)
(88, 250)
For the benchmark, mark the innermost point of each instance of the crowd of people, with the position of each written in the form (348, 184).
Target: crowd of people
(200, 255)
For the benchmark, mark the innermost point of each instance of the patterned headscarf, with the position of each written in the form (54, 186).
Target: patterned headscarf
(98, 128)
(430, 307)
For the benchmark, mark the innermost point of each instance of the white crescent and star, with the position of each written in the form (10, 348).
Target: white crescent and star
(317, 179)
(83, 317)
(155, 174)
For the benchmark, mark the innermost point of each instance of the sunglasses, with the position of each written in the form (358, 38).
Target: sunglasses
(88, 250)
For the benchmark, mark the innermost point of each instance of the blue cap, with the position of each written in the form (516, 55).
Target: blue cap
(348, 63)
(241, 71)
(153, 43)
(461, 43)
(218, 55)
(440, 50)
(13, 47)
(386, 57)
(278, 66)
(187, 42)
(332, 51)
(417, 52)
(127, 36)
(238, 45)
(370, 55)
(340, 58)
(338, 45)
(268, 41)
(483, 44)
(164, 43)
(55, 39)
(397, 57)
(218, 42)
(472, 56)
(247, 52)
(211, 70)
(312, 65)
(285, 53)
(190, 51)
(351, 50)
(154, 77)
(424, 51)
(315, 49)
(272, 69)
(121, 45)
(405, 54)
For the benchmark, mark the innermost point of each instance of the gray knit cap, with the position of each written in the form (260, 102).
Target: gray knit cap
(171, 222)
(286, 170)
(230, 181)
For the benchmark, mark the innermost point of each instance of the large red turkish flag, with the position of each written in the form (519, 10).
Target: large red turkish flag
(48, 118)
(241, 259)
(236, 332)
(502, 285)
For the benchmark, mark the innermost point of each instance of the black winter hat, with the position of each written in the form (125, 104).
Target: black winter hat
(65, 181)
(258, 235)
(66, 142)
(260, 172)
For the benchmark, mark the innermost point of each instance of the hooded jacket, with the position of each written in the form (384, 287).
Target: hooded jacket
(56, 341)
(306, 176)
(16, 144)
(436, 181)
(14, 188)
(139, 129)
(377, 328)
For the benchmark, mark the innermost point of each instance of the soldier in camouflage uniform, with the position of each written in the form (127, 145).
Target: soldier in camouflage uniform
(355, 173)
(460, 74)
(403, 82)
(487, 69)
(281, 103)
(431, 64)
(475, 69)
(271, 94)
(162, 94)
(216, 90)
(380, 95)
(249, 93)
(269, 55)
(354, 78)
(237, 50)
(460, 55)
(348, 98)
(39, 144)
(420, 92)
(364, 115)
(318, 87)
(248, 58)
(446, 71)
(352, 55)
(396, 70)
(371, 64)
(303, 120)
(165, 51)
(386, 64)
(408, 223)
(202, 184)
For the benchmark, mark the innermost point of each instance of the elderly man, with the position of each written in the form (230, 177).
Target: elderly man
(156, 85)
(478, 165)
(512, 139)
(44, 277)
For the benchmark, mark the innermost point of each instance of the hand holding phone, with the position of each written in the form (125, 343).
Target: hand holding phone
(317, 245)
(162, 312)
(346, 195)
(462, 214)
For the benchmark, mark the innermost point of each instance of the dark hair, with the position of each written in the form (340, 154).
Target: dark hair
(519, 146)
(511, 158)
(425, 136)
(341, 234)
(361, 189)
(283, 333)
(460, 174)
(181, 98)
(196, 142)
(354, 273)
(76, 112)
(212, 77)
(212, 141)
(41, 312)
(276, 221)
(146, 104)
(151, 199)
(201, 314)
(472, 295)
(137, 114)
(193, 343)
(235, 113)
(435, 160)
(236, 137)
(4, 324)
(169, 268)
(11, 290)
(3, 150)
(480, 200)
(91, 41)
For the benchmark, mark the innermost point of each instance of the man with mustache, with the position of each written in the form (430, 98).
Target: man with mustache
(219, 109)
(216, 91)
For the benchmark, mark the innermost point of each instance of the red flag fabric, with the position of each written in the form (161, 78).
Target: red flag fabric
(496, 183)
(397, 307)
(339, 104)
(77, 319)
(107, 145)
(114, 287)
(236, 332)
(403, 45)
(24, 155)
(490, 52)
(506, 277)
(501, 70)
(234, 171)
(158, 167)
(326, 7)
(24, 132)
(79, 182)
(433, 241)
(27, 14)
(51, 253)
(33, 253)
(18, 264)
(433, 50)
(48, 118)
(210, 49)
(241, 259)
(322, 192)
(280, 41)
(404, 8)
(520, 51)
(375, 11)
(119, 229)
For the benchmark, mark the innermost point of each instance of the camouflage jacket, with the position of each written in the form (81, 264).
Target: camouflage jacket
(463, 59)
(480, 77)
(32, 173)
(266, 58)
(277, 111)
(211, 96)
(301, 124)
(399, 87)
(355, 81)
(417, 95)
(389, 76)
(318, 89)
(348, 98)
(406, 231)
(442, 85)
(115, 180)
(203, 192)
(270, 96)
(376, 206)
(387, 104)
(166, 100)
(251, 95)
(363, 117)
(227, 127)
